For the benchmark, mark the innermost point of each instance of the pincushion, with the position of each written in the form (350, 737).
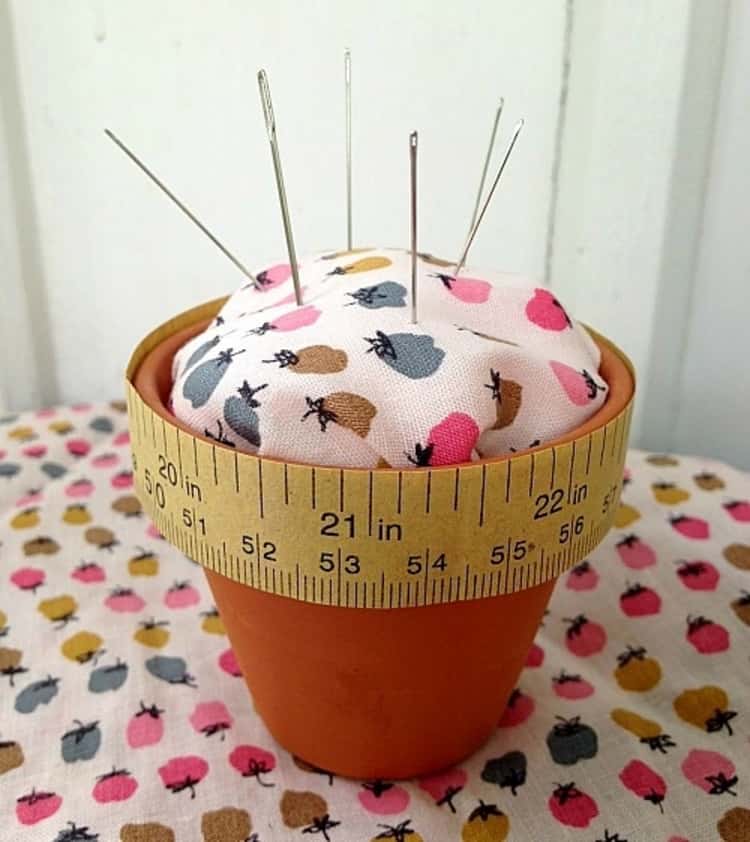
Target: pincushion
(494, 365)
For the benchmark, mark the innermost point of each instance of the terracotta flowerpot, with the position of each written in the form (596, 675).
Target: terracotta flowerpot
(370, 693)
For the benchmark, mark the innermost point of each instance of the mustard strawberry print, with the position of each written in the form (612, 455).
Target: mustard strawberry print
(629, 720)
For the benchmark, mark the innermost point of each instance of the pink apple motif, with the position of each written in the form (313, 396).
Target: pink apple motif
(444, 786)
(644, 782)
(117, 785)
(121, 438)
(153, 532)
(123, 479)
(739, 510)
(579, 386)
(710, 771)
(181, 595)
(535, 657)
(35, 451)
(273, 276)
(252, 762)
(571, 687)
(78, 447)
(698, 575)
(706, 636)
(28, 578)
(45, 412)
(296, 319)
(519, 708)
(468, 290)
(228, 663)
(545, 311)
(146, 727)
(105, 460)
(79, 488)
(36, 806)
(452, 440)
(634, 553)
(691, 527)
(124, 600)
(29, 499)
(181, 773)
(640, 601)
(88, 572)
(382, 798)
(211, 718)
(582, 577)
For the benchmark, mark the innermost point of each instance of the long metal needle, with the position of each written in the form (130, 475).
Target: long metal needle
(188, 213)
(413, 140)
(487, 160)
(265, 98)
(478, 222)
(348, 99)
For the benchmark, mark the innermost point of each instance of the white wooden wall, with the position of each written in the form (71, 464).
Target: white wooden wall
(604, 199)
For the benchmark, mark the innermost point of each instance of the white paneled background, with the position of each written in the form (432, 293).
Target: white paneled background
(627, 193)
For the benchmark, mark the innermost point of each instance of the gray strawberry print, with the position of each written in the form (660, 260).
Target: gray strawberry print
(413, 355)
(171, 670)
(203, 379)
(102, 424)
(37, 693)
(387, 294)
(111, 677)
(201, 352)
(9, 469)
(239, 413)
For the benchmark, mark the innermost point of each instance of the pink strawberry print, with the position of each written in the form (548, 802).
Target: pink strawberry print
(122, 479)
(105, 460)
(79, 488)
(640, 601)
(710, 771)
(382, 798)
(444, 786)
(153, 532)
(545, 311)
(211, 718)
(181, 595)
(634, 553)
(30, 498)
(450, 442)
(88, 572)
(121, 439)
(45, 412)
(294, 320)
(691, 527)
(698, 575)
(28, 578)
(739, 510)
(642, 781)
(117, 785)
(124, 601)
(584, 637)
(468, 290)
(707, 637)
(582, 577)
(535, 656)
(35, 451)
(519, 708)
(146, 727)
(579, 386)
(228, 663)
(571, 806)
(571, 687)
(252, 762)
(181, 773)
(78, 447)
(273, 276)
(36, 806)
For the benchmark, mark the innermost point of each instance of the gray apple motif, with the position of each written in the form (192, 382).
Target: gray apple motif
(204, 378)
(171, 670)
(201, 352)
(570, 741)
(37, 693)
(81, 742)
(102, 424)
(9, 469)
(111, 677)
(508, 770)
(239, 413)
(54, 470)
(387, 294)
(413, 355)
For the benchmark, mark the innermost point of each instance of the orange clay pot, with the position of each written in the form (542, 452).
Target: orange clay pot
(370, 693)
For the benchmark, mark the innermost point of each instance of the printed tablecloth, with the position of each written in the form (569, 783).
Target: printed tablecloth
(123, 716)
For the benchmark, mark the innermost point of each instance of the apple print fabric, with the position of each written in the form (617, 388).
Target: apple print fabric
(493, 366)
(124, 717)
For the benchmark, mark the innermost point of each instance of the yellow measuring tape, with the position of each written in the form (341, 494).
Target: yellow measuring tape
(374, 538)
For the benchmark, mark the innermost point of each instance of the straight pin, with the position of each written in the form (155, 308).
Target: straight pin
(188, 213)
(487, 160)
(413, 141)
(348, 104)
(265, 98)
(478, 222)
